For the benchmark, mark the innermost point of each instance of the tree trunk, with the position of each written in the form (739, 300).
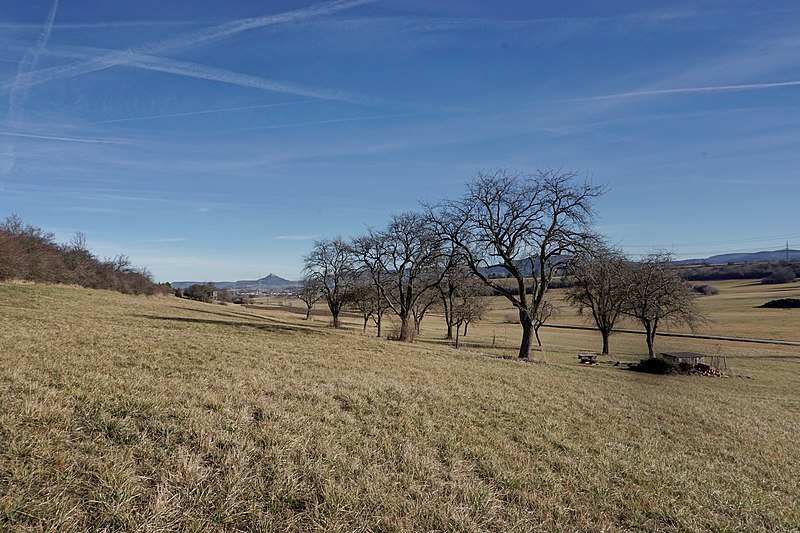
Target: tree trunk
(336, 319)
(308, 313)
(651, 337)
(378, 323)
(536, 332)
(366, 319)
(449, 330)
(458, 328)
(527, 333)
(466, 325)
(407, 329)
(605, 335)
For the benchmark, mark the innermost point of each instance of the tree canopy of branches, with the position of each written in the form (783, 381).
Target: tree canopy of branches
(29, 253)
(310, 292)
(599, 281)
(521, 223)
(404, 261)
(657, 294)
(467, 303)
(331, 264)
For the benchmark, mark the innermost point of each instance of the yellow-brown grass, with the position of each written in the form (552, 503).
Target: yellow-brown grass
(162, 414)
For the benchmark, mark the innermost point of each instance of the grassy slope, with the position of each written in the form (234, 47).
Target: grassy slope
(125, 412)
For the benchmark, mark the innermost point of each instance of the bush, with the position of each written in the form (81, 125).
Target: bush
(656, 366)
(780, 275)
(706, 290)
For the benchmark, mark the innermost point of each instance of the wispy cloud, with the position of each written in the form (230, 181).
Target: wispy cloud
(326, 121)
(165, 240)
(193, 70)
(206, 111)
(18, 94)
(684, 90)
(61, 138)
(181, 42)
(104, 25)
(295, 237)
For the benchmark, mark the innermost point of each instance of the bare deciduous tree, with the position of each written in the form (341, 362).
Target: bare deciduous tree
(542, 315)
(468, 304)
(599, 281)
(522, 223)
(331, 263)
(656, 294)
(403, 261)
(310, 292)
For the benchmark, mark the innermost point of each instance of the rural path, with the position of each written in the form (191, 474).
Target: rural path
(686, 335)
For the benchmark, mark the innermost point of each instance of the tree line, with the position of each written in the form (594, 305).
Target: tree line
(535, 227)
(32, 254)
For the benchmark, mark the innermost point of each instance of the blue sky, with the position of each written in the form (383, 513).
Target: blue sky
(216, 140)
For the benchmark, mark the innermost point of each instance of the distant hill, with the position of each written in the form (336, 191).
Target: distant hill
(754, 257)
(267, 283)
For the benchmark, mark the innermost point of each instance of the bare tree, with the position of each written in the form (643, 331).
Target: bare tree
(331, 263)
(468, 304)
(525, 224)
(403, 260)
(599, 281)
(365, 249)
(542, 315)
(657, 294)
(311, 292)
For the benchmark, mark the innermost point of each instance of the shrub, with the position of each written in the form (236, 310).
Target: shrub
(656, 365)
(706, 290)
(780, 275)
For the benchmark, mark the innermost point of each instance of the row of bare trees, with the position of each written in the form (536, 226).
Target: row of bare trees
(530, 227)
(525, 224)
(606, 284)
(405, 268)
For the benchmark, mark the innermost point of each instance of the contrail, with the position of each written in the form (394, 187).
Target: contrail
(709, 89)
(186, 40)
(194, 70)
(324, 121)
(18, 94)
(60, 138)
(206, 111)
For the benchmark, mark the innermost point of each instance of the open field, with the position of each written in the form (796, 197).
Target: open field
(144, 413)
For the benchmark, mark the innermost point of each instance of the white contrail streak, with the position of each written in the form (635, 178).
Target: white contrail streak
(194, 70)
(181, 42)
(206, 111)
(18, 93)
(61, 138)
(683, 90)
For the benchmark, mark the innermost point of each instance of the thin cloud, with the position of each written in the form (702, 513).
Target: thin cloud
(322, 122)
(684, 90)
(165, 240)
(18, 94)
(60, 138)
(104, 25)
(182, 42)
(206, 111)
(193, 70)
(295, 237)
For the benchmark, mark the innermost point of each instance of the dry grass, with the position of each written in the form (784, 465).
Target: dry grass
(158, 414)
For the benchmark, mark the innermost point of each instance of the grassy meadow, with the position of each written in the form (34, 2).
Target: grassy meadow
(158, 414)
